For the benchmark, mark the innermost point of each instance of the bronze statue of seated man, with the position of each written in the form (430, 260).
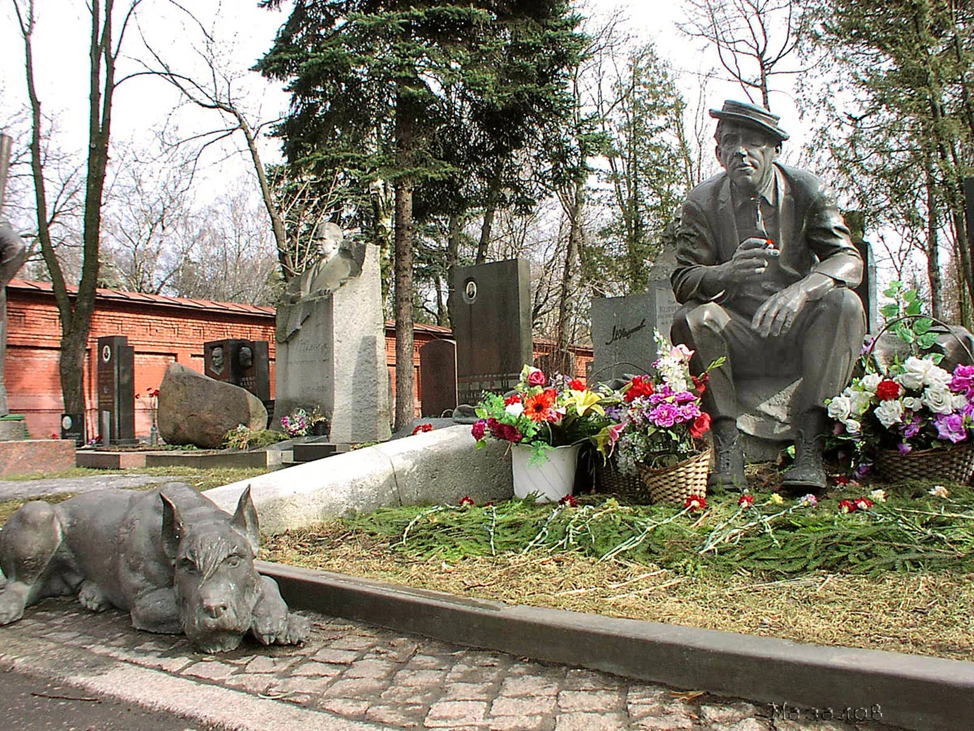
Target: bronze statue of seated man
(765, 267)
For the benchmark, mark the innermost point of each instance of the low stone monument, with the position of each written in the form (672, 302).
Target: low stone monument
(438, 377)
(195, 409)
(331, 342)
(491, 309)
(244, 363)
(169, 557)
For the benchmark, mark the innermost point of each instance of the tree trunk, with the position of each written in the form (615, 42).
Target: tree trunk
(452, 257)
(573, 209)
(405, 411)
(933, 248)
(403, 251)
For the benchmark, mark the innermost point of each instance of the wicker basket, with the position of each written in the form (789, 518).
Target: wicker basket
(609, 479)
(949, 464)
(675, 484)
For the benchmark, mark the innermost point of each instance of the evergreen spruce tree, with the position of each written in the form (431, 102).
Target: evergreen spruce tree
(423, 96)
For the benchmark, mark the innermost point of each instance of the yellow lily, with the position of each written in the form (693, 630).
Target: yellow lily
(583, 401)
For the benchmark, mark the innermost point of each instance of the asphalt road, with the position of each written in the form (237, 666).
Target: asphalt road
(32, 704)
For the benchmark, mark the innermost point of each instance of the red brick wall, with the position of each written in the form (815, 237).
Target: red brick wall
(162, 330)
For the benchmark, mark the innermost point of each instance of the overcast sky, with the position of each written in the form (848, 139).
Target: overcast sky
(246, 32)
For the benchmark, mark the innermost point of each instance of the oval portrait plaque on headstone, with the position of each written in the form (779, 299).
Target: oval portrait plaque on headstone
(106, 353)
(470, 291)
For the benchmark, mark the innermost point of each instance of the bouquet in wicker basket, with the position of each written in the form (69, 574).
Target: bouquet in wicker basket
(660, 437)
(912, 419)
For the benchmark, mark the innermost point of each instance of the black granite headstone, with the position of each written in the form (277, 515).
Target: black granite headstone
(116, 390)
(73, 428)
(243, 363)
(491, 309)
(438, 376)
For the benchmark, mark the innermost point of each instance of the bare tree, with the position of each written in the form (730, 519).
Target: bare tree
(108, 28)
(752, 38)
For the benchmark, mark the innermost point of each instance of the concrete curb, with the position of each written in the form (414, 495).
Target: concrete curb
(914, 692)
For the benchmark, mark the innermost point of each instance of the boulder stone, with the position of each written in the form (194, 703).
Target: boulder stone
(196, 409)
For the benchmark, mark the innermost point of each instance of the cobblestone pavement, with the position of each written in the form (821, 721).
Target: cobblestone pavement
(355, 676)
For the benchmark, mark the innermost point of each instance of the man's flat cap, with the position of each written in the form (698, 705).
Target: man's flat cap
(751, 115)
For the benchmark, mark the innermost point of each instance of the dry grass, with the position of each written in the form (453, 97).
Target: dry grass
(923, 614)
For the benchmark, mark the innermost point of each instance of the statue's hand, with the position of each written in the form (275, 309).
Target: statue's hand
(777, 314)
(750, 261)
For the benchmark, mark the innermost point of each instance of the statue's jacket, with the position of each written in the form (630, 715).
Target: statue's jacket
(813, 237)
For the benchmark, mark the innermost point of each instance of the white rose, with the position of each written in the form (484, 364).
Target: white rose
(515, 409)
(869, 382)
(840, 408)
(912, 403)
(958, 401)
(937, 377)
(853, 427)
(890, 412)
(861, 402)
(915, 371)
(937, 399)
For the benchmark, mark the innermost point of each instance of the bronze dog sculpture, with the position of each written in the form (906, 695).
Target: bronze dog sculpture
(170, 557)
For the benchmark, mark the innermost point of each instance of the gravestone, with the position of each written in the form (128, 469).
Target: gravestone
(491, 308)
(73, 428)
(623, 328)
(331, 343)
(244, 363)
(116, 390)
(867, 287)
(438, 377)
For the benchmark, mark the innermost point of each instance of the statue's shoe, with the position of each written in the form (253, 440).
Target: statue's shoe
(728, 471)
(807, 474)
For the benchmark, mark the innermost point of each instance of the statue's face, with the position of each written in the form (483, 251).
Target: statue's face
(216, 359)
(246, 357)
(748, 156)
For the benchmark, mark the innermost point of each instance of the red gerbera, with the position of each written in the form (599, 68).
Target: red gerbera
(888, 390)
(640, 386)
(540, 406)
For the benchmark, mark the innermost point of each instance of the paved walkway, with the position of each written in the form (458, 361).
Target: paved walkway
(22, 489)
(352, 677)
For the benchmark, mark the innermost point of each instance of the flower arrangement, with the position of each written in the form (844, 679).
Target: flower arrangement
(661, 422)
(911, 406)
(300, 423)
(542, 414)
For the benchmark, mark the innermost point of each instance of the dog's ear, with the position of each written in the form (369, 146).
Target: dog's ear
(245, 520)
(172, 527)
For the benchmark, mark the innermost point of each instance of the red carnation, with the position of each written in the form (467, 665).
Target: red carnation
(478, 430)
(466, 500)
(701, 426)
(862, 503)
(847, 506)
(514, 398)
(888, 390)
(576, 385)
(746, 501)
(696, 503)
(421, 428)
(569, 500)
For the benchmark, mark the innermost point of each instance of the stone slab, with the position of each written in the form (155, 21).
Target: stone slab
(914, 692)
(431, 467)
(312, 450)
(110, 460)
(209, 460)
(33, 456)
(12, 431)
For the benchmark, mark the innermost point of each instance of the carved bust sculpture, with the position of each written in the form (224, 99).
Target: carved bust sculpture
(170, 557)
(765, 267)
(217, 360)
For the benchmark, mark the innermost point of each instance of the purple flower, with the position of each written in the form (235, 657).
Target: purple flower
(904, 448)
(911, 429)
(951, 426)
(688, 412)
(615, 413)
(963, 380)
(862, 470)
(684, 397)
(664, 415)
